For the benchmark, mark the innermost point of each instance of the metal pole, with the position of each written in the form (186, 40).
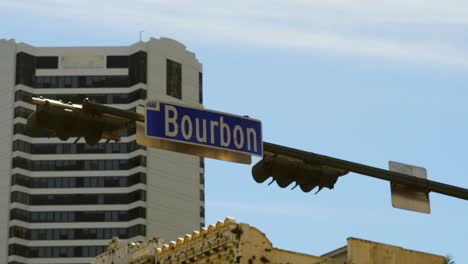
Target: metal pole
(395, 177)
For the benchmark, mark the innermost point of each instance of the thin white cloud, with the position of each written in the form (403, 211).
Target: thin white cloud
(313, 26)
(392, 11)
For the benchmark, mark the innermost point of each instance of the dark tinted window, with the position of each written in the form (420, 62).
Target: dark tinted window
(25, 69)
(200, 87)
(202, 211)
(202, 178)
(47, 62)
(117, 61)
(202, 174)
(174, 79)
(137, 68)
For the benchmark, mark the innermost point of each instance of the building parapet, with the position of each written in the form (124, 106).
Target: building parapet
(231, 242)
(119, 252)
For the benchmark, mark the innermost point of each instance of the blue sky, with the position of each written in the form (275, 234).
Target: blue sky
(366, 81)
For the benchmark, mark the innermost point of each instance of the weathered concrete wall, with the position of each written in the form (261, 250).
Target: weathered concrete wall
(367, 252)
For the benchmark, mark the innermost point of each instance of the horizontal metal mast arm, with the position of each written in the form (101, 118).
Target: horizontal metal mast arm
(88, 105)
(378, 173)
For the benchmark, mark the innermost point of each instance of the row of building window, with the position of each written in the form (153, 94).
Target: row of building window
(51, 62)
(72, 233)
(77, 216)
(78, 165)
(77, 199)
(22, 112)
(173, 78)
(92, 81)
(78, 148)
(26, 65)
(117, 98)
(19, 128)
(173, 82)
(78, 182)
(55, 252)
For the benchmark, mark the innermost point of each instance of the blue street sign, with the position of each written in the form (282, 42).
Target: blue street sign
(207, 128)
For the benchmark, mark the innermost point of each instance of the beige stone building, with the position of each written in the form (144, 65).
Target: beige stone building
(231, 242)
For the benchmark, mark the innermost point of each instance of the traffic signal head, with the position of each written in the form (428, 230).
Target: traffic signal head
(71, 120)
(285, 171)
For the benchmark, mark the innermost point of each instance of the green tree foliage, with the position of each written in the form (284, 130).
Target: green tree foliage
(449, 259)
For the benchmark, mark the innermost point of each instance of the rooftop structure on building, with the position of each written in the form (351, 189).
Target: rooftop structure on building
(232, 242)
(62, 201)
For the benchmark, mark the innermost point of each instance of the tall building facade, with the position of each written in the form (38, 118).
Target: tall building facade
(62, 201)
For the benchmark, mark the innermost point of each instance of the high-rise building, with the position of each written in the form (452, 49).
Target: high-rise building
(62, 201)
